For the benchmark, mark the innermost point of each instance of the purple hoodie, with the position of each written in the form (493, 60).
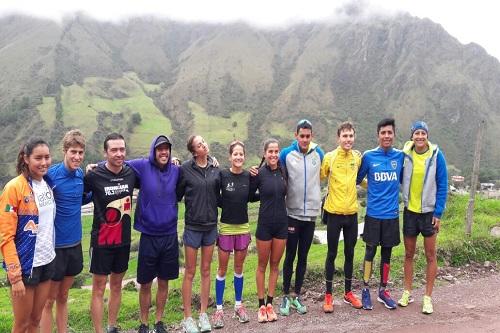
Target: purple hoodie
(156, 210)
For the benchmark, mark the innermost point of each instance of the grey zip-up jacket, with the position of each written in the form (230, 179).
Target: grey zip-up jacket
(303, 196)
(435, 186)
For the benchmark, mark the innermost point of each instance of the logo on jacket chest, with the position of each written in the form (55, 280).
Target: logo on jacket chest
(230, 187)
(385, 176)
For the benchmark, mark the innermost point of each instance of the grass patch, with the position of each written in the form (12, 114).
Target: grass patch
(219, 129)
(48, 110)
(126, 95)
(454, 248)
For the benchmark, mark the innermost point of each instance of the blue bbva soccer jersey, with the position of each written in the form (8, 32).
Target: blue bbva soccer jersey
(383, 170)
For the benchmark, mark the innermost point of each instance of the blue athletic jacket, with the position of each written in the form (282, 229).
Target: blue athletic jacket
(156, 212)
(383, 170)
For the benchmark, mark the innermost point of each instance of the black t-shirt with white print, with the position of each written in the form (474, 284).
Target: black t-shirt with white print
(112, 198)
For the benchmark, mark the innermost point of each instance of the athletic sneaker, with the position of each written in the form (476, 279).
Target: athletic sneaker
(189, 326)
(271, 315)
(385, 297)
(328, 304)
(159, 328)
(204, 323)
(143, 328)
(285, 306)
(298, 305)
(112, 329)
(427, 307)
(218, 319)
(350, 298)
(366, 299)
(262, 314)
(241, 314)
(405, 299)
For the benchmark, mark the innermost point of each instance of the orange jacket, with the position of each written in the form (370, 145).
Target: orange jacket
(18, 227)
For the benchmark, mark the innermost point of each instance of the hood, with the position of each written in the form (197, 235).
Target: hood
(152, 150)
(409, 146)
(312, 146)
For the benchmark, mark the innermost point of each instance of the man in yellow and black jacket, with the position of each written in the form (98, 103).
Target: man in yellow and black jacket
(340, 167)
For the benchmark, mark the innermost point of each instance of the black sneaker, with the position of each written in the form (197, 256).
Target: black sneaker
(160, 328)
(143, 328)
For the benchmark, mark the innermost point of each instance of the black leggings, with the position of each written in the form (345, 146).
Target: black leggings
(385, 262)
(300, 236)
(349, 225)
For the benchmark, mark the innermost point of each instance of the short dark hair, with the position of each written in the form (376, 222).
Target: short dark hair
(112, 136)
(304, 123)
(346, 125)
(386, 122)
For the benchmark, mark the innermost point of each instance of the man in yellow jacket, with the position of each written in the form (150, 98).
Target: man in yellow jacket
(341, 166)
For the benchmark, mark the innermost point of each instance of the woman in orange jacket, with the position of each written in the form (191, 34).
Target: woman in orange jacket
(27, 211)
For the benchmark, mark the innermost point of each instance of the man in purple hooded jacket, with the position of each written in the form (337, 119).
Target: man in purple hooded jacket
(156, 219)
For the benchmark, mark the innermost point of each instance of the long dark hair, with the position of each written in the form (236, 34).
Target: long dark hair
(282, 170)
(25, 151)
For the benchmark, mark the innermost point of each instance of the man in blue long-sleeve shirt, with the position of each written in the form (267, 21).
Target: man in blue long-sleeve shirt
(383, 168)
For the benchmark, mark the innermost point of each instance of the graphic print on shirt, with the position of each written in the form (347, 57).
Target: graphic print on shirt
(110, 230)
(386, 175)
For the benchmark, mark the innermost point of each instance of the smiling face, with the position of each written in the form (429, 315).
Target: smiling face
(115, 153)
(346, 139)
(386, 137)
(200, 147)
(73, 157)
(419, 138)
(38, 162)
(271, 155)
(304, 137)
(237, 157)
(162, 154)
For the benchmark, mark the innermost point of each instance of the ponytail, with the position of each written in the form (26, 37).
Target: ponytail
(25, 151)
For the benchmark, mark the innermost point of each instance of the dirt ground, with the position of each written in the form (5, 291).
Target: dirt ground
(469, 303)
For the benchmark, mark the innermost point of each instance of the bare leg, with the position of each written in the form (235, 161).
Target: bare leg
(206, 262)
(47, 316)
(39, 299)
(97, 303)
(263, 253)
(430, 255)
(187, 283)
(145, 301)
(277, 250)
(62, 304)
(410, 244)
(22, 307)
(115, 297)
(161, 298)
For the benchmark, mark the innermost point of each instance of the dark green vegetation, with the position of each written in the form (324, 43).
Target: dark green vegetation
(146, 76)
(454, 249)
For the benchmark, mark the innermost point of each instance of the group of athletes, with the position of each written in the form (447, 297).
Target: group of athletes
(41, 230)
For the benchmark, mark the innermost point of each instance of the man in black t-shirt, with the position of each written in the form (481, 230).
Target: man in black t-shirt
(112, 185)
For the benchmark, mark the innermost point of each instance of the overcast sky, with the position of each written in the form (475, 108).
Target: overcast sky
(469, 21)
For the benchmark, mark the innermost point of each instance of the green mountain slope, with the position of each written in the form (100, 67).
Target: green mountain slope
(146, 76)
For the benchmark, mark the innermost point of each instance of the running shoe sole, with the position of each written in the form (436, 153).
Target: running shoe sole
(385, 304)
(352, 304)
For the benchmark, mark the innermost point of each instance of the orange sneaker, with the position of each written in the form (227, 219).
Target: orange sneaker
(271, 315)
(262, 314)
(328, 305)
(350, 298)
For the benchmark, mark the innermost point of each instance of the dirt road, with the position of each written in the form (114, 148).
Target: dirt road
(465, 306)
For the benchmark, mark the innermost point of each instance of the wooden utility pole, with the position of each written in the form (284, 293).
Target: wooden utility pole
(474, 178)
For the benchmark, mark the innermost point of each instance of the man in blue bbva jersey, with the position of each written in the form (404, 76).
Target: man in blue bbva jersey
(382, 167)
